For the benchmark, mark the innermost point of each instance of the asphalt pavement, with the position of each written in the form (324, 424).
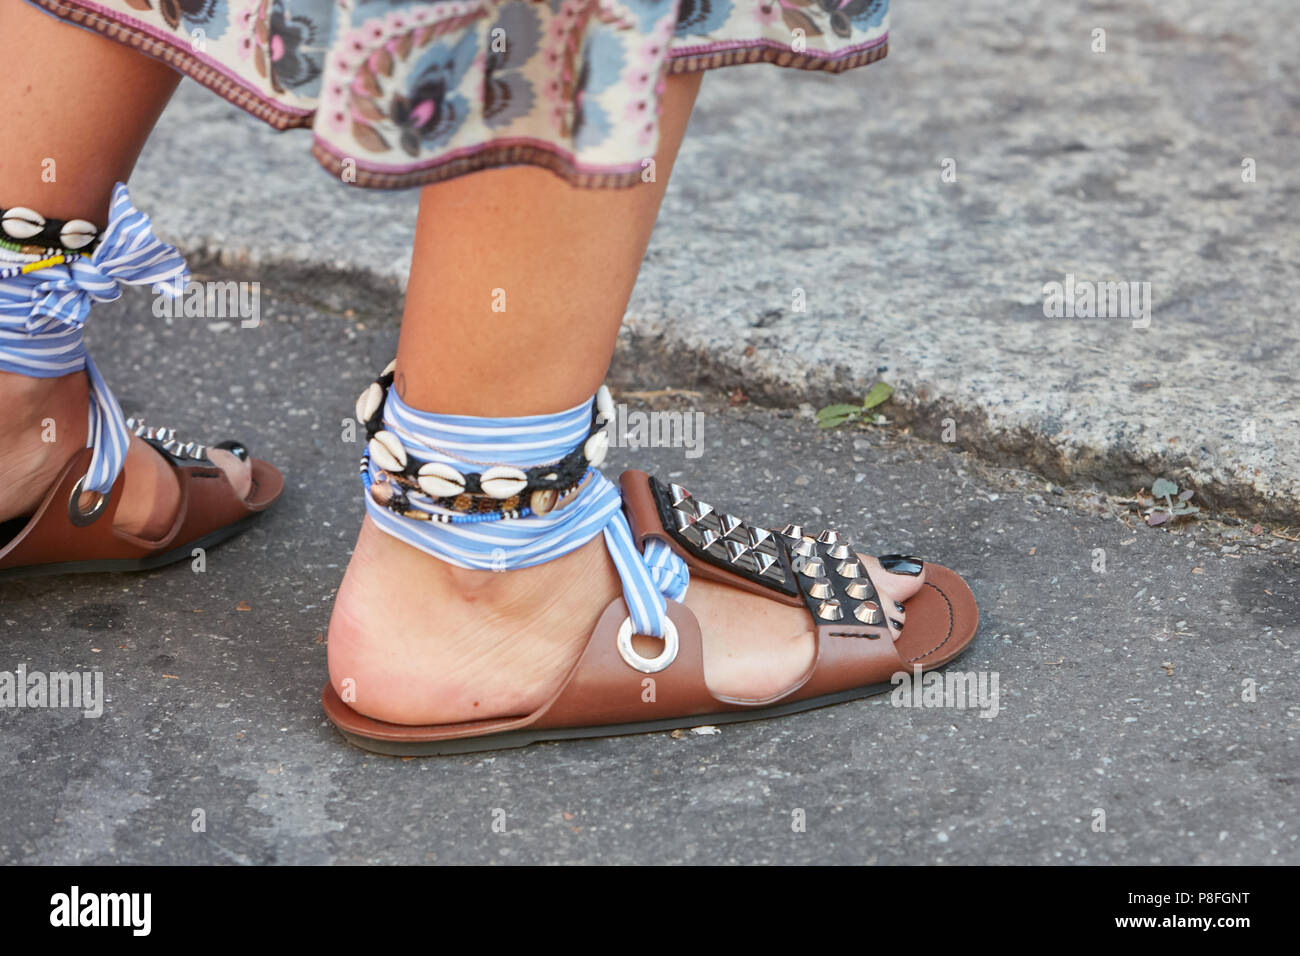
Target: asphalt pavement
(1121, 682)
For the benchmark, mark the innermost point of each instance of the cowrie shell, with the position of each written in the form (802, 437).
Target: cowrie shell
(440, 481)
(604, 404)
(596, 448)
(368, 402)
(22, 223)
(382, 492)
(390, 367)
(543, 500)
(502, 482)
(387, 452)
(77, 234)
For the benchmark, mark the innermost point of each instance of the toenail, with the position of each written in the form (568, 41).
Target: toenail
(901, 564)
(235, 448)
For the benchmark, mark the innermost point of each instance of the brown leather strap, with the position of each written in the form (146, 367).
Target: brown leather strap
(207, 502)
(50, 536)
(605, 689)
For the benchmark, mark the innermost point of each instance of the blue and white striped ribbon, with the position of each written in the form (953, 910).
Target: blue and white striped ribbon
(42, 314)
(470, 444)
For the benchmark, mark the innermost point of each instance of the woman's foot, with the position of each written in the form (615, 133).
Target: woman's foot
(45, 424)
(421, 642)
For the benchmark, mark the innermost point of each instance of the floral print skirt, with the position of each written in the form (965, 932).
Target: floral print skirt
(401, 93)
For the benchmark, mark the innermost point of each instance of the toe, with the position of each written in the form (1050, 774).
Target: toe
(897, 578)
(233, 458)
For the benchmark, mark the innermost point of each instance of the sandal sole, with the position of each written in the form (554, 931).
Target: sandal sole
(121, 565)
(515, 739)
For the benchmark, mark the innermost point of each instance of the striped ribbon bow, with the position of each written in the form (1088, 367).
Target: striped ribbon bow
(42, 314)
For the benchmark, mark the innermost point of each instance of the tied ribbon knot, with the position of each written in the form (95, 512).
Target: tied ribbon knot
(42, 314)
(128, 254)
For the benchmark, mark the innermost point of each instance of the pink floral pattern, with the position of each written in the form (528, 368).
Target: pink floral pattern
(406, 92)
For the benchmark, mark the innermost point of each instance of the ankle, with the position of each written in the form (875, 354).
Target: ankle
(44, 424)
(35, 402)
(415, 640)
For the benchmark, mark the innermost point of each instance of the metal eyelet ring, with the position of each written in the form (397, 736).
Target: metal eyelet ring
(651, 665)
(82, 518)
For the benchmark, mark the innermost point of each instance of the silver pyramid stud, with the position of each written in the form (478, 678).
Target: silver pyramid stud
(730, 525)
(766, 562)
(735, 550)
(821, 588)
(839, 551)
(849, 569)
(804, 547)
(829, 537)
(830, 610)
(707, 538)
(757, 536)
(703, 509)
(859, 588)
(682, 520)
(678, 494)
(813, 568)
(868, 612)
(173, 446)
(792, 531)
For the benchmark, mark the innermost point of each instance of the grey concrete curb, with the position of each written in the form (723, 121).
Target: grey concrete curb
(1117, 166)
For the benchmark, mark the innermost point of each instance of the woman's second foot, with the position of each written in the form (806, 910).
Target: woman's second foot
(46, 423)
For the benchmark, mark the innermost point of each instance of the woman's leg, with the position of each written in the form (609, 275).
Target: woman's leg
(78, 111)
(424, 642)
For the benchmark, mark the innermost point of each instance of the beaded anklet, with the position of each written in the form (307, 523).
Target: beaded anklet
(499, 493)
(57, 259)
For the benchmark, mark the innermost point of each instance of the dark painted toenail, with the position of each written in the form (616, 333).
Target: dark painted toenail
(897, 624)
(235, 448)
(901, 564)
(901, 609)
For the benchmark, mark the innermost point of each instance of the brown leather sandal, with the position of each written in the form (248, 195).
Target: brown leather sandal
(62, 538)
(613, 690)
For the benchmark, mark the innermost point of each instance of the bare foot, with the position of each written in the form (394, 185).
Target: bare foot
(45, 424)
(427, 643)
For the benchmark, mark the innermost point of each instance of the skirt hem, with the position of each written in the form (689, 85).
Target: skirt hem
(486, 156)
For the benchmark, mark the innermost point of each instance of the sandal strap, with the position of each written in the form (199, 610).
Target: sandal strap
(42, 314)
(820, 572)
(54, 535)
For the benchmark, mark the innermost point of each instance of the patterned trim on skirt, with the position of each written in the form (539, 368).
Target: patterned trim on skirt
(402, 93)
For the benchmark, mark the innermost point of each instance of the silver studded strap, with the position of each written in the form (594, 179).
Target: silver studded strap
(821, 569)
